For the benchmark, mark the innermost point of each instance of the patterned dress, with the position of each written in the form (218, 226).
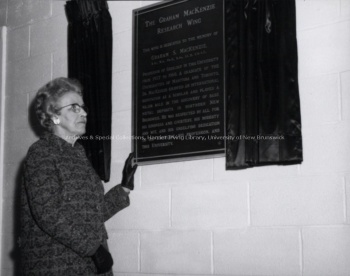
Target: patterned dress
(63, 210)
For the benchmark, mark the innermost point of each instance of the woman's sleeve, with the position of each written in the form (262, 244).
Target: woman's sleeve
(116, 199)
(44, 194)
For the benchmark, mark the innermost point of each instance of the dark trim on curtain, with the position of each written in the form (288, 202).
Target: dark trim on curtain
(263, 105)
(90, 48)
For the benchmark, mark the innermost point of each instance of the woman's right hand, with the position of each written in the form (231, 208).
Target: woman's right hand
(128, 173)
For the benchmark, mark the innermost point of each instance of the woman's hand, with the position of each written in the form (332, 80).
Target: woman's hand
(103, 260)
(128, 173)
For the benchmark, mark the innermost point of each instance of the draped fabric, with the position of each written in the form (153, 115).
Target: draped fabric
(263, 106)
(90, 61)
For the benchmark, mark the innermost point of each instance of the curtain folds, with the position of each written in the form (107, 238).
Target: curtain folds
(90, 61)
(263, 106)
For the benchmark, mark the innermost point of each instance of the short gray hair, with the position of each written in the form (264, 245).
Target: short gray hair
(47, 96)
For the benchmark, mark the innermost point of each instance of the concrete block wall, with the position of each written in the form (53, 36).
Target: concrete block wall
(37, 37)
(195, 218)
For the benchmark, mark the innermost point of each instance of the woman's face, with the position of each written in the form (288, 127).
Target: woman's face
(72, 123)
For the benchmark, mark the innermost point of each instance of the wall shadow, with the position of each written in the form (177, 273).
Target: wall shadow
(15, 252)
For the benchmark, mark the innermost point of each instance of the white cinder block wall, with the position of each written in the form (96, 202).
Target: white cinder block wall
(195, 218)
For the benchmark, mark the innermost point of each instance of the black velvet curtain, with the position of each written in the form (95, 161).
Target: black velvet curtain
(90, 61)
(263, 106)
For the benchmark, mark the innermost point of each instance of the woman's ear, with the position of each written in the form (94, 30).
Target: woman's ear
(56, 120)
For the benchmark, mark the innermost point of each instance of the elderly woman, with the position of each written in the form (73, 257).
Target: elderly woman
(63, 207)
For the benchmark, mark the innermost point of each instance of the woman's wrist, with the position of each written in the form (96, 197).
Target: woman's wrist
(126, 190)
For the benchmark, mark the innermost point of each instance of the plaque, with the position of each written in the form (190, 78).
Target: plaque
(179, 81)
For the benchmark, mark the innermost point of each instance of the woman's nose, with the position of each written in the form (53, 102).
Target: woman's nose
(83, 112)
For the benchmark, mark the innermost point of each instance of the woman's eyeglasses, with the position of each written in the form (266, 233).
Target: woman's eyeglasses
(75, 107)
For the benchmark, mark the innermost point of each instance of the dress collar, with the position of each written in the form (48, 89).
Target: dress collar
(62, 144)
